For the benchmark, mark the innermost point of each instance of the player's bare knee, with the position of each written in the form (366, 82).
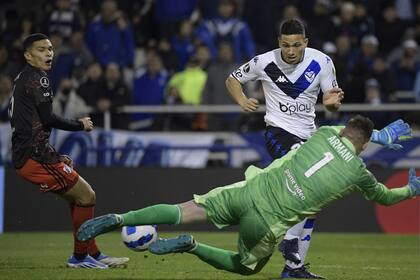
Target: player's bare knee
(87, 198)
(192, 212)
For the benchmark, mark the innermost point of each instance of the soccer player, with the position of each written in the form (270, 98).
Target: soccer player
(35, 160)
(270, 200)
(292, 77)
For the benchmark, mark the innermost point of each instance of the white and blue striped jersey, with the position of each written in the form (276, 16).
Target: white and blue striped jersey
(290, 90)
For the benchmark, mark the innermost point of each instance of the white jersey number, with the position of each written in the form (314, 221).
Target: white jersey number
(11, 106)
(328, 156)
(12, 103)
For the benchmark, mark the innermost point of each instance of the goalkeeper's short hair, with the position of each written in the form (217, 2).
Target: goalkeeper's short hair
(359, 129)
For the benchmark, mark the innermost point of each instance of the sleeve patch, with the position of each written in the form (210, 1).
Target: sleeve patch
(44, 82)
(238, 73)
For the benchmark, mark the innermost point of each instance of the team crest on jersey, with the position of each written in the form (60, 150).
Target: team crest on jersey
(255, 60)
(310, 76)
(44, 82)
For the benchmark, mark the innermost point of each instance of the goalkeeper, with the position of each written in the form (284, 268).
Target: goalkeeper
(271, 200)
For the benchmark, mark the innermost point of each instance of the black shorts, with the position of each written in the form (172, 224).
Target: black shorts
(278, 141)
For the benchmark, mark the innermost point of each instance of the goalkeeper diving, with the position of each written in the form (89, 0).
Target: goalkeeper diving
(269, 201)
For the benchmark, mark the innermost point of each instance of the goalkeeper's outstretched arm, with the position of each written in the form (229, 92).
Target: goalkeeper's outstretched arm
(380, 193)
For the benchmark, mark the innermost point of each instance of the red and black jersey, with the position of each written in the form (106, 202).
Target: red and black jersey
(31, 118)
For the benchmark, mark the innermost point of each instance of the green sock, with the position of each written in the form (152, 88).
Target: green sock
(153, 215)
(221, 259)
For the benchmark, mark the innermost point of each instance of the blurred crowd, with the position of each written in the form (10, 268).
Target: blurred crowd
(111, 53)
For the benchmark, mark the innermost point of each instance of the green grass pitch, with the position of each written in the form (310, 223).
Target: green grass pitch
(29, 256)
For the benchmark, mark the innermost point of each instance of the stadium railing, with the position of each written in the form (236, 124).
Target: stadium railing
(216, 109)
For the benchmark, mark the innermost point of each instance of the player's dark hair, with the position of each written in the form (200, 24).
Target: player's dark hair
(359, 129)
(27, 43)
(291, 27)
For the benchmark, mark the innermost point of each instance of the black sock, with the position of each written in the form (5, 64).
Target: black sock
(96, 255)
(79, 256)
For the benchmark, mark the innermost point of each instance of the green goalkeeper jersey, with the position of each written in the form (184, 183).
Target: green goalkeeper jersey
(309, 178)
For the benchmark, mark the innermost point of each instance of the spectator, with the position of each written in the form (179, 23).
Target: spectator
(186, 87)
(345, 23)
(215, 90)
(372, 92)
(58, 43)
(381, 73)
(262, 27)
(168, 55)
(149, 87)
(5, 94)
(110, 38)
(89, 89)
(71, 59)
(7, 66)
(26, 27)
(67, 103)
(389, 29)
(114, 94)
(144, 22)
(63, 20)
(362, 67)
(183, 43)
(203, 56)
(62, 64)
(290, 11)
(342, 61)
(80, 54)
(405, 68)
(170, 13)
(363, 21)
(227, 27)
(404, 10)
(321, 24)
(373, 97)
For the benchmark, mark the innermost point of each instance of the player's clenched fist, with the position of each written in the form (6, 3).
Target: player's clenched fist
(87, 123)
(332, 99)
(249, 104)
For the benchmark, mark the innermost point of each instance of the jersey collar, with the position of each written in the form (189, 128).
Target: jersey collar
(348, 143)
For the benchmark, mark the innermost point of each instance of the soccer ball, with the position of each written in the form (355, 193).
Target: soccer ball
(138, 238)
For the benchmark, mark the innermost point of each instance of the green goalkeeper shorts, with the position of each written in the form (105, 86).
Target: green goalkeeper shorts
(232, 205)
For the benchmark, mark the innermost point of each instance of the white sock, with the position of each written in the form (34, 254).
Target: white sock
(305, 239)
(295, 231)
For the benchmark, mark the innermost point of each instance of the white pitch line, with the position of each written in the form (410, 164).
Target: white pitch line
(366, 267)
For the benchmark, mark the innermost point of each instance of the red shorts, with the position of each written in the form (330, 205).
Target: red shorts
(56, 177)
